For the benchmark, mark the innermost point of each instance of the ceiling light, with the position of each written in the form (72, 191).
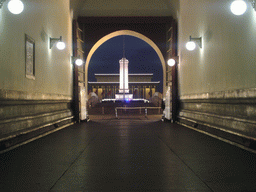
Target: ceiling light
(238, 7)
(14, 6)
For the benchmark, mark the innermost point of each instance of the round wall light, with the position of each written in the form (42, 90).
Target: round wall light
(60, 45)
(79, 62)
(191, 45)
(174, 60)
(238, 7)
(171, 62)
(15, 6)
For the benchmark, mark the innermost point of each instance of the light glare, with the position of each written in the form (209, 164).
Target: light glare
(190, 45)
(61, 45)
(171, 62)
(79, 62)
(238, 7)
(15, 6)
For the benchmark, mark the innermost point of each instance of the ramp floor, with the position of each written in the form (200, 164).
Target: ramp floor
(127, 155)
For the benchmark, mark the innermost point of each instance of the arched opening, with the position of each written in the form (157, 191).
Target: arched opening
(130, 33)
(106, 67)
(160, 33)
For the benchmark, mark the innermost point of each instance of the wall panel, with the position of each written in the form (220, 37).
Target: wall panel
(217, 82)
(32, 107)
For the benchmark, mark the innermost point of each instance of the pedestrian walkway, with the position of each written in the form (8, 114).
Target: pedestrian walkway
(127, 155)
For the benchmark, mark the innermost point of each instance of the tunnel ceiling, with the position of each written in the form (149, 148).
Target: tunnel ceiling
(121, 7)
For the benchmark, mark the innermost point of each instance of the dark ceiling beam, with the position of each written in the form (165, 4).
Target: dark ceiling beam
(123, 20)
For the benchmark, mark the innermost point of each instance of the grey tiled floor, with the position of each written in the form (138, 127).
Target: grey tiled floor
(127, 155)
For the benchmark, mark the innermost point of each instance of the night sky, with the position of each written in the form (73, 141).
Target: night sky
(142, 58)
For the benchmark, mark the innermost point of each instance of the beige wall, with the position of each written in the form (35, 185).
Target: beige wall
(40, 20)
(175, 8)
(75, 5)
(227, 60)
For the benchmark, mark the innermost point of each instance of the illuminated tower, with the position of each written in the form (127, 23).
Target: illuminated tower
(123, 79)
(123, 76)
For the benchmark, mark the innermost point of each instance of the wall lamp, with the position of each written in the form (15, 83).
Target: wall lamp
(77, 61)
(14, 6)
(191, 45)
(60, 44)
(239, 7)
(173, 61)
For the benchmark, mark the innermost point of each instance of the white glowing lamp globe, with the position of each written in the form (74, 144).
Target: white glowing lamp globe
(79, 62)
(191, 45)
(15, 6)
(171, 62)
(238, 7)
(61, 45)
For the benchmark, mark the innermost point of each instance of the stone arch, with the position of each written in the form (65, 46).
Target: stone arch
(131, 33)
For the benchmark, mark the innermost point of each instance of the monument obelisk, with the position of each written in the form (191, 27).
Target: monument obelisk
(123, 79)
(123, 76)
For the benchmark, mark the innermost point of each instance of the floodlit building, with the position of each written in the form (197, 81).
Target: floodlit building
(123, 85)
(140, 85)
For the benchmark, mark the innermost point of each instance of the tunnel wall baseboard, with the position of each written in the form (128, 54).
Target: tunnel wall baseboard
(24, 116)
(230, 115)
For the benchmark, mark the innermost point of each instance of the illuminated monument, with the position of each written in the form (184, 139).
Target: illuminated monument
(123, 81)
(123, 76)
(123, 86)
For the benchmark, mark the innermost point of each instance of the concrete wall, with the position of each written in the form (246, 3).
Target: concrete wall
(217, 84)
(28, 104)
(227, 59)
(175, 8)
(40, 20)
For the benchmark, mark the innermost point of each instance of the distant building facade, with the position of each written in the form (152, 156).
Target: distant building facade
(140, 85)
